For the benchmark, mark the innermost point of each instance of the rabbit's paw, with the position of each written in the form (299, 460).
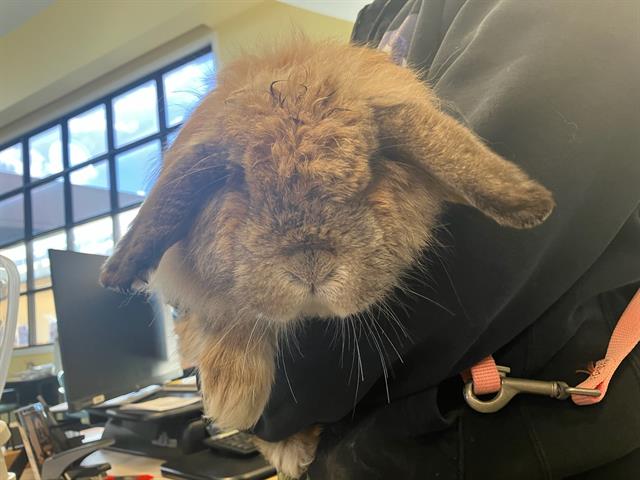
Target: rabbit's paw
(292, 456)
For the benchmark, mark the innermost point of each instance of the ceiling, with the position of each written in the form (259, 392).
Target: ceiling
(14, 13)
(344, 9)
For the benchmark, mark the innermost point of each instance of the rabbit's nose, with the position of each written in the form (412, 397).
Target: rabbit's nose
(311, 268)
(310, 280)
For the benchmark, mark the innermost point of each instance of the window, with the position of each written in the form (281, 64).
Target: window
(40, 247)
(45, 153)
(125, 219)
(94, 237)
(77, 183)
(47, 206)
(184, 86)
(88, 135)
(90, 191)
(136, 172)
(11, 168)
(12, 218)
(136, 114)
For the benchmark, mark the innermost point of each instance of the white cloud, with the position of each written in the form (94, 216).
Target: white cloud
(84, 175)
(11, 159)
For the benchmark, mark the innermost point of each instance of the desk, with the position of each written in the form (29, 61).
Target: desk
(125, 463)
(121, 464)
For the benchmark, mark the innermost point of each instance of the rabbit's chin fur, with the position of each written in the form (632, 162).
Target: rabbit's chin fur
(236, 365)
(304, 185)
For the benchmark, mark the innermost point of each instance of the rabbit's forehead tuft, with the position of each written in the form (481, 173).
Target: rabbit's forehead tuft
(301, 133)
(269, 102)
(310, 151)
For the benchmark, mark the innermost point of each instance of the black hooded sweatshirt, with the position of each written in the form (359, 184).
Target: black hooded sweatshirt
(553, 86)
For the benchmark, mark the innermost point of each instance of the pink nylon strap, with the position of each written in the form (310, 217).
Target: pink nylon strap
(624, 338)
(626, 335)
(485, 376)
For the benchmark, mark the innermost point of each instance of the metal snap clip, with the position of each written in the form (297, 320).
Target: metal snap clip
(511, 387)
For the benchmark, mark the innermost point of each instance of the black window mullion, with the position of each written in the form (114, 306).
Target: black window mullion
(68, 204)
(12, 193)
(28, 226)
(31, 305)
(113, 183)
(28, 234)
(162, 117)
(137, 143)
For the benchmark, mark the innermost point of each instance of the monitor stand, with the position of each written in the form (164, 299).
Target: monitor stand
(131, 397)
(166, 435)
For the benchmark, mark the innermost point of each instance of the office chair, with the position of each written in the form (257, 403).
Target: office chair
(9, 292)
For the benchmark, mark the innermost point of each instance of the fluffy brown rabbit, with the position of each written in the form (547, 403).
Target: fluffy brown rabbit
(305, 185)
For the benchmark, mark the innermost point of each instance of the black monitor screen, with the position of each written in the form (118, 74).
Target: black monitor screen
(110, 343)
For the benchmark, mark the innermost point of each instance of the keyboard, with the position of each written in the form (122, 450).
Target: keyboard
(232, 441)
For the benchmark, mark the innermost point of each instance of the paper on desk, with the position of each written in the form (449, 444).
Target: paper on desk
(161, 404)
(92, 434)
(187, 384)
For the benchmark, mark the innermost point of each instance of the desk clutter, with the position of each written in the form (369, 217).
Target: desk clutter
(50, 443)
(192, 448)
(50, 450)
(118, 386)
(161, 404)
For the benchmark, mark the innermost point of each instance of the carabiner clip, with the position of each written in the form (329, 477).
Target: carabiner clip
(510, 387)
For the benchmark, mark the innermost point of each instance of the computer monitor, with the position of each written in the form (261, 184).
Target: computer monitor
(110, 343)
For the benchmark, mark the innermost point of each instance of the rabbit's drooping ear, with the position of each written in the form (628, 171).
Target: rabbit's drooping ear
(193, 169)
(469, 171)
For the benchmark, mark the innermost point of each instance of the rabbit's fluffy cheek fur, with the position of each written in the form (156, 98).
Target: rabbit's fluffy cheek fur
(244, 257)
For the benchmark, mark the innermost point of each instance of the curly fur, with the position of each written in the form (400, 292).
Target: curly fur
(306, 184)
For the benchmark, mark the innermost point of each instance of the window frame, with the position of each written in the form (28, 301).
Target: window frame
(164, 132)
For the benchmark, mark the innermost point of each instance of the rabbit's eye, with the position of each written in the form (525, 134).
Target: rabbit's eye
(235, 173)
(231, 167)
(177, 312)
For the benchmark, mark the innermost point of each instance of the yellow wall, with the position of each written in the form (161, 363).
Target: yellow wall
(274, 21)
(73, 42)
(21, 362)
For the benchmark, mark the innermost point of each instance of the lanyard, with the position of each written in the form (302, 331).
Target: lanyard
(485, 377)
